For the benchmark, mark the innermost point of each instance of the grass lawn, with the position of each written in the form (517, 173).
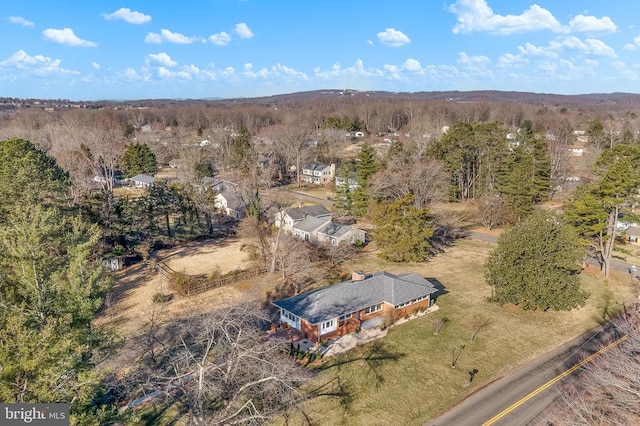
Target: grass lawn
(406, 377)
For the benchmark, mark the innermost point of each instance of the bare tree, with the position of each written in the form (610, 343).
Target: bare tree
(292, 140)
(608, 391)
(438, 324)
(297, 262)
(406, 173)
(222, 367)
(478, 324)
(491, 210)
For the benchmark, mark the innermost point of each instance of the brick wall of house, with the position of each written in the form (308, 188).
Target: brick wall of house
(408, 310)
(310, 331)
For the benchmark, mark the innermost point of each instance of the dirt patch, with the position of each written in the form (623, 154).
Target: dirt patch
(130, 309)
(203, 258)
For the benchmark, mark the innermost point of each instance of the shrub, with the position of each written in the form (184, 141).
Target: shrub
(182, 283)
(162, 298)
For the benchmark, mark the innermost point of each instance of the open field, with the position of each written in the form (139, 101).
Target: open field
(406, 378)
(224, 255)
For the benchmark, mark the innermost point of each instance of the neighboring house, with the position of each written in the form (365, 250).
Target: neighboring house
(335, 233)
(362, 302)
(228, 199)
(287, 218)
(320, 174)
(142, 181)
(307, 228)
(314, 224)
(633, 234)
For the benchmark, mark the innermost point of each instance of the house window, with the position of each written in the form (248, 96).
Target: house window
(372, 309)
(345, 317)
(328, 324)
(402, 305)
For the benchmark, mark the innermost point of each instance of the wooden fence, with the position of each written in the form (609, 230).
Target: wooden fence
(222, 281)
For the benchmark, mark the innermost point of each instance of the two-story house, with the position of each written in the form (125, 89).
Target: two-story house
(319, 174)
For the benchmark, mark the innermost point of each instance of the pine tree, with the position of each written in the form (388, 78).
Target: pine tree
(138, 158)
(344, 194)
(402, 231)
(367, 165)
(536, 265)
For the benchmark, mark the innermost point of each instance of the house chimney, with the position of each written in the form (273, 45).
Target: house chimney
(357, 276)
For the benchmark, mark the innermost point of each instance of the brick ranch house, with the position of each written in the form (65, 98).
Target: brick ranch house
(365, 301)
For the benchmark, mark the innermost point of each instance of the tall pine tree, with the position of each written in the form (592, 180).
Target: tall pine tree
(367, 165)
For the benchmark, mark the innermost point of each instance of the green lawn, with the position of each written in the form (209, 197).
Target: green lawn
(406, 378)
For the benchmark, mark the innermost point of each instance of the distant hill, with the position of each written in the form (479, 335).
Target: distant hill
(610, 101)
(630, 100)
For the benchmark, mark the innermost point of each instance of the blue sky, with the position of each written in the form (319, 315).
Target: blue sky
(92, 50)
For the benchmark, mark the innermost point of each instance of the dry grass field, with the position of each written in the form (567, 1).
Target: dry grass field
(406, 378)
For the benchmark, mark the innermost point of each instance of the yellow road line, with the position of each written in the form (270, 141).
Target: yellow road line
(552, 382)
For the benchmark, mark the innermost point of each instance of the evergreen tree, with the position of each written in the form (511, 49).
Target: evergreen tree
(367, 165)
(402, 231)
(525, 177)
(138, 158)
(536, 265)
(51, 287)
(344, 194)
(28, 174)
(594, 210)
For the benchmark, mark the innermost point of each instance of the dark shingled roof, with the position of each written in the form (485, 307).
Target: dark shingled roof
(351, 296)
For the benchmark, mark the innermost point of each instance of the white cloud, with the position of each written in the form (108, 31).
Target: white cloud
(129, 16)
(475, 64)
(220, 39)
(476, 15)
(357, 70)
(177, 38)
(634, 45)
(276, 71)
(130, 73)
(599, 48)
(589, 46)
(243, 30)
(162, 58)
(169, 37)
(38, 64)
(67, 37)
(511, 59)
(370, 42)
(20, 21)
(95, 65)
(583, 23)
(393, 38)
(153, 38)
(413, 66)
(164, 73)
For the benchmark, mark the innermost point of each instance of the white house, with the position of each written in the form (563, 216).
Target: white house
(319, 174)
(142, 181)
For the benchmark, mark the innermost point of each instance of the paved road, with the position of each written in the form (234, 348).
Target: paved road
(482, 407)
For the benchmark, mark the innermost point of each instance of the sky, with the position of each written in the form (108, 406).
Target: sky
(141, 49)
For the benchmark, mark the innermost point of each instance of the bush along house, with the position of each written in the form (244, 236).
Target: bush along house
(365, 301)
